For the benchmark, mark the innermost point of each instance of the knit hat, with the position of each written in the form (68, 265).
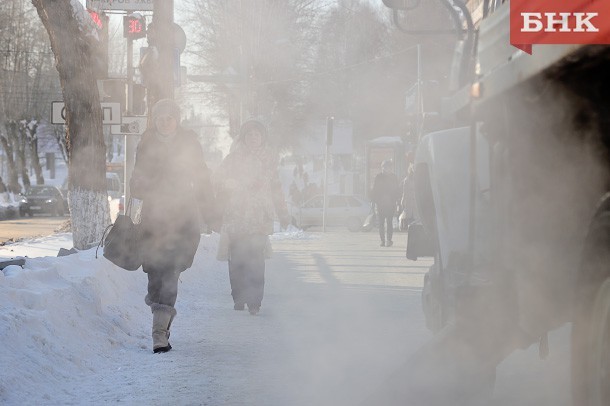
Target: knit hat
(166, 107)
(250, 125)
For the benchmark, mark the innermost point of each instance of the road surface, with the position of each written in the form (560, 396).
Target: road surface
(39, 226)
(29, 227)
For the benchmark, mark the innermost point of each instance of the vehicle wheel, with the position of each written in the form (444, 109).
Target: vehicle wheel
(30, 214)
(591, 325)
(354, 224)
(21, 213)
(431, 300)
(59, 212)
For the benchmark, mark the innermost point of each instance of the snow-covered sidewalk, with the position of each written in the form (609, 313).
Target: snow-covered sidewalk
(75, 329)
(339, 315)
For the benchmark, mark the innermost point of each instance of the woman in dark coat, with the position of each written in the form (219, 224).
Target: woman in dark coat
(172, 180)
(250, 191)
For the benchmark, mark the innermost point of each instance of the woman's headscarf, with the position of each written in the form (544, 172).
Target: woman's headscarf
(166, 107)
(250, 125)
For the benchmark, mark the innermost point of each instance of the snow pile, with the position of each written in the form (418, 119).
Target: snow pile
(9, 205)
(8, 200)
(65, 317)
(60, 315)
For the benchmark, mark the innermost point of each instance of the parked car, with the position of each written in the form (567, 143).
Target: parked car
(42, 200)
(342, 210)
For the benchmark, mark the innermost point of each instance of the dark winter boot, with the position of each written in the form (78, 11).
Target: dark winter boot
(163, 316)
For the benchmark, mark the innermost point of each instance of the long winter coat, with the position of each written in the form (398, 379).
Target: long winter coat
(385, 193)
(173, 181)
(249, 190)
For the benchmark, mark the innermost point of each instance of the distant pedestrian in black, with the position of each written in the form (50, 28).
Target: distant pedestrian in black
(385, 194)
(173, 182)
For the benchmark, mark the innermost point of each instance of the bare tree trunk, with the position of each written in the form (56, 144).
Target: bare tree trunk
(32, 128)
(3, 188)
(36, 162)
(20, 136)
(60, 136)
(14, 186)
(87, 196)
(13, 179)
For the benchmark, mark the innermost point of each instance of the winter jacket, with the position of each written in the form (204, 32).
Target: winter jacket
(407, 200)
(385, 193)
(173, 181)
(249, 191)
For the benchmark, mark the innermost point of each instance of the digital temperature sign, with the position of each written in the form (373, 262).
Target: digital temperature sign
(134, 26)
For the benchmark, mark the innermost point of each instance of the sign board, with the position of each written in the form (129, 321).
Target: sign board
(131, 125)
(121, 5)
(111, 113)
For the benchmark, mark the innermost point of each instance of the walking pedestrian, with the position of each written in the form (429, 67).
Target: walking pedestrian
(385, 194)
(173, 182)
(407, 201)
(249, 190)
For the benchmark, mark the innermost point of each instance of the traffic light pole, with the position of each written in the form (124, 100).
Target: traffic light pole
(163, 85)
(130, 141)
(163, 22)
(130, 76)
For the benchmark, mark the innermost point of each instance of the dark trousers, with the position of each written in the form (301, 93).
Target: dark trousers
(247, 269)
(162, 286)
(385, 220)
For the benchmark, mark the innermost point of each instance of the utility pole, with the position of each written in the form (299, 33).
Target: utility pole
(329, 141)
(163, 26)
(161, 83)
(420, 102)
(130, 141)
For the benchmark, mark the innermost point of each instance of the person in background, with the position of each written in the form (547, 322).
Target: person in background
(248, 187)
(385, 194)
(173, 182)
(407, 201)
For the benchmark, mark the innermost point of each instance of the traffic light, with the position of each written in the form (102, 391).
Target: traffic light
(99, 57)
(134, 26)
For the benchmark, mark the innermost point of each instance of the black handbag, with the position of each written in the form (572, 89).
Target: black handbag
(121, 243)
(419, 243)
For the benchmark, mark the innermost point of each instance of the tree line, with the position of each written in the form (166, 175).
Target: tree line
(296, 60)
(28, 84)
